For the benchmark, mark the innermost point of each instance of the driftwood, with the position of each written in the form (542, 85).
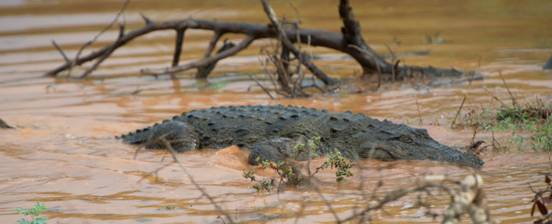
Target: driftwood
(348, 41)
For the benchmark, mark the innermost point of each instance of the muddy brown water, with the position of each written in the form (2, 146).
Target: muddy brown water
(63, 153)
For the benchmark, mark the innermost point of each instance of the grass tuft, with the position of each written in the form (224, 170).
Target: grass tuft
(33, 215)
(530, 123)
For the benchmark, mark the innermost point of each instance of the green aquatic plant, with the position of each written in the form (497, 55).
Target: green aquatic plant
(530, 123)
(342, 165)
(33, 215)
(289, 172)
(518, 117)
(533, 118)
(542, 139)
(264, 185)
(309, 147)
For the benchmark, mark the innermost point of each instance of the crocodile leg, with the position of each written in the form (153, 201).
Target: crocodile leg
(280, 149)
(275, 149)
(180, 136)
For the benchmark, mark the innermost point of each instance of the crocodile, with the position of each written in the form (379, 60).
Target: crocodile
(272, 132)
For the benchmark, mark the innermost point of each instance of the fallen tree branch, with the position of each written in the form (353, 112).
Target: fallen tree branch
(178, 46)
(352, 36)
(204, 71)
(94, 39)
(257, 31)
(203, 62)
(58, 48)
(348, 41)
(282, 36)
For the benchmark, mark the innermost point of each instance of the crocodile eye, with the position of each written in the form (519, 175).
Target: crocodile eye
(406, 139)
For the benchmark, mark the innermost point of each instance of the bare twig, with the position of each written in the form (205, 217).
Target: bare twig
(155, 172)
(287, 82)
(212, 43)
(97, 63)
(147, 20)
(475, 128)
(262, 87)
(203, 62)
(393, 196)
(58, 48)
(458, 112)
(391, 53)
(328, 204)
(192, 180)
(514, 103)
(95, 38)
(419, 112)
(138, 149)
(466, 198)
(379, 76)
(282, 35)
(496, 145)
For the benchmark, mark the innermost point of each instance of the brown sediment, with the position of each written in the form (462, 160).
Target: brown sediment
(63, 152)
(89, 170)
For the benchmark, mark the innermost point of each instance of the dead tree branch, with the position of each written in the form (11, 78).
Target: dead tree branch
(178, 46)
(95, 38)
(466, 198)
(349, 41)
(58, 48)
(203, 62)
(282, 36)
(204, 71)
(355, 44)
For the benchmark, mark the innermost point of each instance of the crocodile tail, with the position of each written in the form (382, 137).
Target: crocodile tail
(139, 136)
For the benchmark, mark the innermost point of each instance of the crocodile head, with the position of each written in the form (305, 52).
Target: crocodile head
(405, 143)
